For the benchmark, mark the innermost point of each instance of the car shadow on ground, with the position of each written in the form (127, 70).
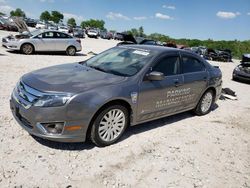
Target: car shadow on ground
(47, 53)
(133, 130)
(65, 146)
(241, 81)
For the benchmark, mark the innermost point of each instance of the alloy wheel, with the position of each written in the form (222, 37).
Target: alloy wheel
(111, 125)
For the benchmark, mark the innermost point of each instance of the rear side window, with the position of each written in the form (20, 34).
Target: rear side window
(62, 35)
(190, 64)
(168, 66)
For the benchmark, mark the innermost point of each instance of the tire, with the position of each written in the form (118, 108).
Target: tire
(27, 49)
(71, 51)
(103, 132)
(205, 104)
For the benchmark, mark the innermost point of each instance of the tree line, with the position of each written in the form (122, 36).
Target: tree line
(237, 47)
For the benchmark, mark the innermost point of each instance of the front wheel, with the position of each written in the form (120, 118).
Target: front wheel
(109, 125)
(27, 49)
(205, 104)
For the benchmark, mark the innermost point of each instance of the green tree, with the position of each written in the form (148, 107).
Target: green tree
(93, 24)
(72, 22)
(56, 16)
(45, 16)
(2, 14)
(18, 12)
(141, 32)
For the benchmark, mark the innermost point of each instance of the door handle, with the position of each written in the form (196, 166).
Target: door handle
(176, 82)
(205, 78)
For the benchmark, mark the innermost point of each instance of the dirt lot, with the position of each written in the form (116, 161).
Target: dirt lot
(179, 151)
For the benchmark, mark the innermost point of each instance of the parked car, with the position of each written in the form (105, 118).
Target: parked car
(118, 36)
(242, 71)
(79, 33)
(41, 25)
(63, 29)
(106, 35)
(123, 86)
(52, 27)
(218, 55)
(92, 33)
(7, 24)
(43, 40)
(30, 22)
(129, 39)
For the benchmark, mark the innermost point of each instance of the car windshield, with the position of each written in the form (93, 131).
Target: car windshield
(121, 61)
(35, 32)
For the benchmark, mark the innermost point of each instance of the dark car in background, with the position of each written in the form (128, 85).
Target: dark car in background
(118, 36)
(242, 71)
(130, 39)
(79, 33)
(30, 22)
(106, 35)
(125, 85)
(7, 24)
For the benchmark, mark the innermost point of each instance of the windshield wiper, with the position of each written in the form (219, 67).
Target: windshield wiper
(97, 68)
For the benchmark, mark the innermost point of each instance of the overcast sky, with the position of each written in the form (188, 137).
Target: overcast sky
(214, 19)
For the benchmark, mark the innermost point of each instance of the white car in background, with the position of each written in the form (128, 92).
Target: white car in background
(92, 33)
(43, 40)
(41, 25)
(63, 29)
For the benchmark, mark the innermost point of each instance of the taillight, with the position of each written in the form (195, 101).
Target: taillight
(78, 40)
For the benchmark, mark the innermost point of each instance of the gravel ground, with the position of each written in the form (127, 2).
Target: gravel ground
(178, 151)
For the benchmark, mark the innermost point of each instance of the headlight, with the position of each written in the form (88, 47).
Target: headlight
(52, 100)
(237, 68)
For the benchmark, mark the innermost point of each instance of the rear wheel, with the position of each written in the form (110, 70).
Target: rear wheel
(205, 104)
(27, 49)
(71, 51)
(109, 125)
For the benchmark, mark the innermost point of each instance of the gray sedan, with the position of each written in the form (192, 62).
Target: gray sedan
(123, 86)
(43, 40)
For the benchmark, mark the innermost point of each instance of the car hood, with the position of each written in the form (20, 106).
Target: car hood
(70, 78)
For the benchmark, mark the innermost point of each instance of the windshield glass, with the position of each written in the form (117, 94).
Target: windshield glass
(36, 32)
(121, 61)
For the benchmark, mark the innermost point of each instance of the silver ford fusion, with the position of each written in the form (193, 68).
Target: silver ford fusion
(123, 86)
(43, 40)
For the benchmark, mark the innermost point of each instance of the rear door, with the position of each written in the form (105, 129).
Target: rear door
(160, 98)
(63, 41)
(195, 78)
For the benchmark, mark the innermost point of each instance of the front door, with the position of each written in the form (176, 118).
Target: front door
(47, 42)
(160, 98)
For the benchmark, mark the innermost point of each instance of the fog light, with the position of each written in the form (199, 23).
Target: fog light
(54, 128)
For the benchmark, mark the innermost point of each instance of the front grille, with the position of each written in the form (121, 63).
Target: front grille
(25, 95)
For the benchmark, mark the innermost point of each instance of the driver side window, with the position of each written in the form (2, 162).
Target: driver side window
(168, 65)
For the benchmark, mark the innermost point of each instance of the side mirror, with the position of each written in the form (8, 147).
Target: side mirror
(155, 76)
(39, 36)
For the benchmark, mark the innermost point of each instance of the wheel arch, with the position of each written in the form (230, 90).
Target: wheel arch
(121, 102)
(28, 43)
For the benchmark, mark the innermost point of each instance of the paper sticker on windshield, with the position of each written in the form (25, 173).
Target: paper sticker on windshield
(140, 52)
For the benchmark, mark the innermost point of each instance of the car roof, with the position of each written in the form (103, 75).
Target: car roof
(155, 48)
(159, 49)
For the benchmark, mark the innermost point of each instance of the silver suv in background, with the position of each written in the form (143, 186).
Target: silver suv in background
(43, 40)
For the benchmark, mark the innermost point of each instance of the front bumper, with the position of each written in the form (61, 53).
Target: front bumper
(31, 120)
(241, 76)
(11, 45)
